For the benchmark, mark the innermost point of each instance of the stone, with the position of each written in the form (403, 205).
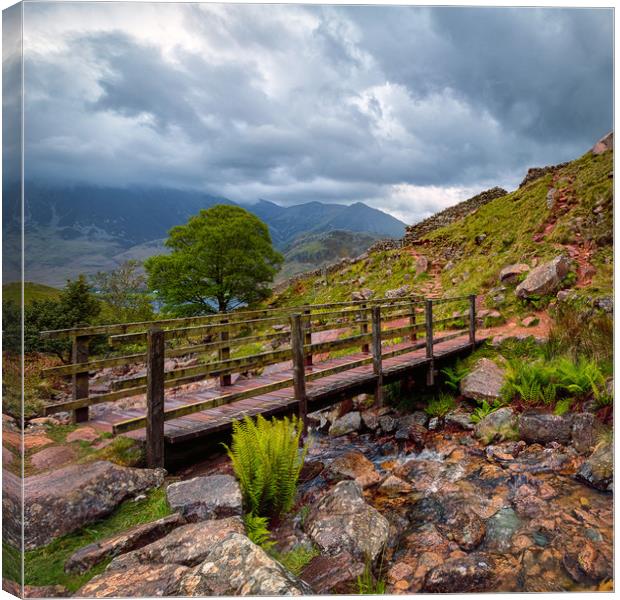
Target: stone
(550, 198)
(44, 591)
(472, 573)
(86, 434)
(527, 503)
(348, 423)
(484, 382)
(388, 423)
(30, 441)
(141, 535)
(342, 521)
(530, 321)
(361, 295)
(187, 545)
(55, 456)
(394, 486)
(598, 470)
(421, 265)
(202, 498)
(586, 430)
(325, 574)
(235, 566)
(511, 273)
(497, 423)
(64, 500)
(401, 292)
(413, 433)
(584, 562)
(352, 465)
(543, 428)
(605, 303)
(604, 144)
(465, 527)
(141, 581)
(370, 420)
(459, 418)
(479, 239)
(7, 457)
(545, 279)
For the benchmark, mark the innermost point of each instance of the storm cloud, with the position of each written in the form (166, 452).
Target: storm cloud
(408, 109)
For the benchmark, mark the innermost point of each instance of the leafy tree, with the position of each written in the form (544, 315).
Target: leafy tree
(221, 258)
(124, 292)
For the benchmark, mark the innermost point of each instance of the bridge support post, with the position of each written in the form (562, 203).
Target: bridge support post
(377, 363)
(430, 375)
(224, 354)
(79, 381)
(299, 371)
(308, 337)
(364, 328)
(155, 399)
(472, 320)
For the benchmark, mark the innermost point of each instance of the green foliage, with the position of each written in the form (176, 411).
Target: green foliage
(579, 378)
(484, 410)
(267, 461)
(529, 380)
(454, 375)
(296, 559)
(440, 406)
(258, 531)
(367, 584)
(563, 406)
(12, 292)
(220, 259)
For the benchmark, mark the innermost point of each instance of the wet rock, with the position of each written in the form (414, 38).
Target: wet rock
(427, 538)
(352, 465)
(464, 527)
(141, 581)
(527, 503)
(370, 419)
(598, 469)
(327, 574)
(394, 486)
(348, 423)
(544, 428)
(500, 423)
(511, 273)
(236, 566)
(472, 573)
(586, 429)
(585, 563)
(484, 382)
(187, 545)
(56, 456)
(545, 279)
(343, 521)
(64, 500)
(388, 423)
(203, 498)
(500, 529)
(460, 418)
(410, 430)
(136, 537)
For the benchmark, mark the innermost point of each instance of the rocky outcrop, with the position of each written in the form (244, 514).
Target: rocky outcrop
(535, 173)
(484, 382)
(545, 279)
(598, 469)
(236, 566)
(352, 465)
(136, 537)
(64, 500)
(343, 522)
(511, 273)
(450, 215)
(348, 423)
(544, 428)
(204, 498)
(604, 144)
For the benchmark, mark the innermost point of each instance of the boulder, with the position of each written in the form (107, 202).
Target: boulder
(586, 429)
(64, 500)
(598, 469)
(545, 279)
(348, 423)
(459, 418)
(544, 428)
(325, 574)
(421, 265)
(352, 465)
(343, 522)
(471, 573)
(361, 295)
(83, 434)
(235, 566)
(484, 382)
(604, 144)
(87, 557)
(511, 273)
(496, 424)
(54, 456)
(400, 292)
(202, 498)
(388, 423)
(187, 545)
(139, 582)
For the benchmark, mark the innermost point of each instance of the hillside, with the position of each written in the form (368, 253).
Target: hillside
(566, 211)
(85, 229)
(11, 292)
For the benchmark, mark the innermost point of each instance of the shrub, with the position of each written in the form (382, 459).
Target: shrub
(267, 461)
(441, 406)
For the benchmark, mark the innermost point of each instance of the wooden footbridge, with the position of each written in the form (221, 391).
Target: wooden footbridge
(316, 355)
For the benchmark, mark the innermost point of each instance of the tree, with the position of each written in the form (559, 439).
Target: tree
(220, 259)
(124, 292)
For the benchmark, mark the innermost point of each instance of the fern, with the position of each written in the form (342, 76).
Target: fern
(580, 378)
(296, 559)
(258, 531)
(563, 406)
(267, 460)
(453, 375)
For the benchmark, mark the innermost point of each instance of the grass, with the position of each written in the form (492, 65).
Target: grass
(295, 560)
(11, 292)
(45, 566)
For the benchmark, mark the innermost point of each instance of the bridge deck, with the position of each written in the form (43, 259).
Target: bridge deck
(320, 391)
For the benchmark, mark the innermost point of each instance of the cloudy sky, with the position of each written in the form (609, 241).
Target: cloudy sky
(408, 109)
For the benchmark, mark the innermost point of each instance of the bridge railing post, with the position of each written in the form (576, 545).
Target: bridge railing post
(224, 354)
(79, 381)
(364, 328)
(414, 332)
(155, 398)
(430, 377)
(472, 319)
(377, 362)
(308, 337)
(299, 371)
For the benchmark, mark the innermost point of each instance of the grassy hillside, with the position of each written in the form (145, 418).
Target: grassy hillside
(11, 292)
(467, 256)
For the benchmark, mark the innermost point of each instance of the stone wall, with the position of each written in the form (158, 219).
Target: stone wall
(450, 215)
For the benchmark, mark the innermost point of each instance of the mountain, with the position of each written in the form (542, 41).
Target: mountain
(84, 229)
